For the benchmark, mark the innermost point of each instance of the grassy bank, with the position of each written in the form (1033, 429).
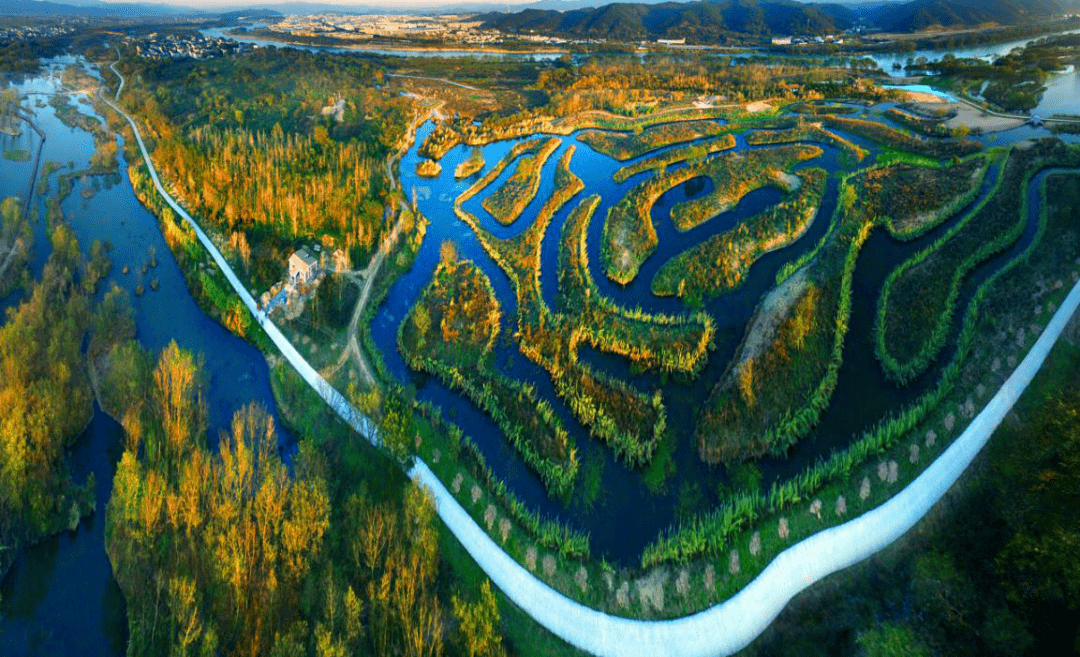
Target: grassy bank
(919, 297)
(720, 263)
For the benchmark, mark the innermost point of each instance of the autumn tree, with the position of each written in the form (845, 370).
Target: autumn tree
(478, 623)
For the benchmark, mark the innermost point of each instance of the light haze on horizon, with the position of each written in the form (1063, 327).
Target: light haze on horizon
(383, 6)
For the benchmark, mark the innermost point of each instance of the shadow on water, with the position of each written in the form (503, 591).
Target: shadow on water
(60, 597)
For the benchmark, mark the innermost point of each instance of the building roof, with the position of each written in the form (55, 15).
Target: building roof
(305, 256)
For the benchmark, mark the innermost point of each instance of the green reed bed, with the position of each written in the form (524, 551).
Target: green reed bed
(629, 236)
(623, 146)
(511, 198)
(524, 148)
(921, 125)
(629, 421)
(903, 141)
(919, 297)
(785, 372)
(711, 535)
(720, 263)
(735, 175)
(915, 199)
(697, 152)
(804, 131)
(449, 333)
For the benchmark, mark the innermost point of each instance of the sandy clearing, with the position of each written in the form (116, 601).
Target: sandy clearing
(758, 106)
(924, 97)
(773, 311)
(978, 120)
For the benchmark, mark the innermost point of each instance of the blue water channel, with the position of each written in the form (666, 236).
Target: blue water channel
(72, 572)
(630, 514)
(60, 597)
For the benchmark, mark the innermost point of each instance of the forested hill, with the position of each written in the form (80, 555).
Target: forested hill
(708, 21)
(951, 14)
(717, 21)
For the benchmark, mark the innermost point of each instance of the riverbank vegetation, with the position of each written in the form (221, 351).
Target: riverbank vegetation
(629, 236)
(786, 369)
(230, 551)
(660, 162)
(735, 175)
(808, 132)
(628, 146)
(902, 141)
(720, 263)
(629, 421)
(450, 333)
(919, 298)
(470, 165)
(930, 127)
(907, 438)
(512, 197)
(47, 395)
(968, 574)
(915, 199)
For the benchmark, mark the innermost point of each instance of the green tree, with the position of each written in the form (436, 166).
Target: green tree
(479, 623)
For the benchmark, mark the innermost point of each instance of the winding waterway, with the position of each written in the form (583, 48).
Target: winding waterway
(629, 513)
(71, 571)
(60, 596)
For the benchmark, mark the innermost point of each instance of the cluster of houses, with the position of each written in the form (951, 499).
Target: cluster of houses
(307, 268)
(38, 30)
(806, 40)
(180, 46)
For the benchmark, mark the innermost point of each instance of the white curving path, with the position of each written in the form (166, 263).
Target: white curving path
(726, 627)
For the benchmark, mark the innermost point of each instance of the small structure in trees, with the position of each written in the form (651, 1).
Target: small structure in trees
(302, 267)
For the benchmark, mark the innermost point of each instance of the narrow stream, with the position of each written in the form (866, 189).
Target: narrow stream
(60, 596)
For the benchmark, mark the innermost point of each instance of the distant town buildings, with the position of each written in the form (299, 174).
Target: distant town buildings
(447, 27)
(39, 30)
(193, 46)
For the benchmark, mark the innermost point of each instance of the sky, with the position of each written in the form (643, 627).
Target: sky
(385, 6)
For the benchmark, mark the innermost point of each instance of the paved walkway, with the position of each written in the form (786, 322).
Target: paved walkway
(731, 625)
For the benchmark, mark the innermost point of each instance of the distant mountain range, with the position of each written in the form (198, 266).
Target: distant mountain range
(930, 14)
(705, 21)
(95, 9)
(709, 20)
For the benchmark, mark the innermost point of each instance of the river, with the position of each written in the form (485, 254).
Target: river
(629, 513)
(71, 571)
(477, 53)
(60, 597)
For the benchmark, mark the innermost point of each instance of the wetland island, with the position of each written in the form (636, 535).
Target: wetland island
(699, 328)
